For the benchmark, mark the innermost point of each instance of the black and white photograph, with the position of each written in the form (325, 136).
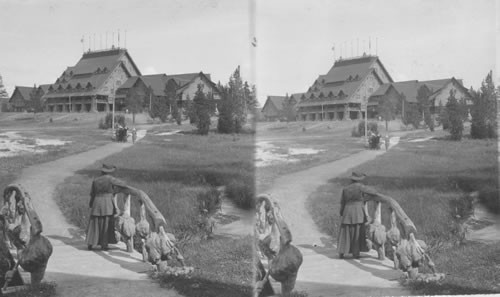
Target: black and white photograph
(226, 148)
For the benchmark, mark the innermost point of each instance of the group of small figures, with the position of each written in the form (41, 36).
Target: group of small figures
(121, 133)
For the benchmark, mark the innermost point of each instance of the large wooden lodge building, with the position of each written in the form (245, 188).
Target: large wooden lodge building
(355, 85)
(101, 78)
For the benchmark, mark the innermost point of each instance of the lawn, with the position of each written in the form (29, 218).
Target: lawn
(79, 139)
(430, 180)
(332, 139)
(177, 171)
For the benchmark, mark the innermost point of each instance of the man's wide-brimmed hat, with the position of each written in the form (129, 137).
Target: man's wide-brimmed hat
(108, 168)
(357, 176)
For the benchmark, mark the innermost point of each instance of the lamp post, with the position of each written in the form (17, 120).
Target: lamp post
(364, 105)
(113, 113)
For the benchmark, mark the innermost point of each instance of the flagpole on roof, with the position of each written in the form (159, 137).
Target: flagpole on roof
(370, 45)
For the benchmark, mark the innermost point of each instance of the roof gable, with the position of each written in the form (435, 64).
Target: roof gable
(25, 92)
(90, 72)
(276, 101)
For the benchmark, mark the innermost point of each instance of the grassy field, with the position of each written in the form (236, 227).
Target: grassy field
(430, 180)
(176, 171)
(333, 139)
(81, 138)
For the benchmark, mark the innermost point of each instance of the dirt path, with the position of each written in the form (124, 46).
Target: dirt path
(322, 273)
(76, 271)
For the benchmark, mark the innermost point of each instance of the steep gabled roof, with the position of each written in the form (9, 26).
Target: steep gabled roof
(409, 89)
(276, 101)
(205, 77)
(297, 96)
(436, 84)
(44, 87)
(93, 69)
(343, 69)
(356, 67)
(184, 78)
(156, 82)
(456, 82)
(25, 92)
(343, 79)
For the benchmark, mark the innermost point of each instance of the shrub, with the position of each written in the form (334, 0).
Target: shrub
(454, 117)
(241, 193)
(372, 126)
(107, 121)
(355, 132)
(209, 200)
(429, 121)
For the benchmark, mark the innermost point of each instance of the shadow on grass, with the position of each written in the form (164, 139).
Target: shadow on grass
(200, 287)
(421, 288)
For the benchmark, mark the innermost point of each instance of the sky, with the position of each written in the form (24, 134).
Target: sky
(415, 39)
(40, 38)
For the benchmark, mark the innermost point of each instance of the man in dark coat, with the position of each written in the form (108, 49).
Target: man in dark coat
(352, 235)
(103, 208)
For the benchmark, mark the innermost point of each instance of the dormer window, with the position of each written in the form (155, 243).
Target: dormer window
(71, 73)
(78, 86)
(356, 77)
(89, 85)
(63, 81)
(68, 87)
(349, 78)
(341, 94)
(105, 69)
(321, 95)
(57, 81)
(60, 88)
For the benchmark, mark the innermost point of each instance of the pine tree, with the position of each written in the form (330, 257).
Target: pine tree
(134, 102)
(225, 123)
(412, 115)
(236, 94)
(171, 101)
(201, 108)
(289, 109)
(190, 111)
(386, 109)
(424, 104)
(3, 91)
(35, 100)
(250, 96)
(484, 110)
(443, 116)
(454, 117)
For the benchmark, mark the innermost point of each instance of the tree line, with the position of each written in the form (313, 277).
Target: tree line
(237, 100)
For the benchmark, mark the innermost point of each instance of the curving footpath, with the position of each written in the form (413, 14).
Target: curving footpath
(322, 273)
(77, 271)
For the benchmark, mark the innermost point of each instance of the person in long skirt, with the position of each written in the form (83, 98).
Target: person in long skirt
(352, 234)
(103, 208)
